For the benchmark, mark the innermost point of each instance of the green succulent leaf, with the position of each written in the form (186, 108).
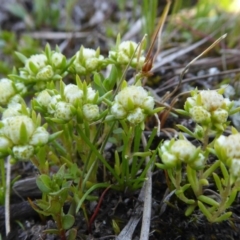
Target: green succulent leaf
(67, 221)
(44, 183)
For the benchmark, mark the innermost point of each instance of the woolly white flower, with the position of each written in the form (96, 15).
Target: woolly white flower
(169, 159)
(44, 98)
(72, 93)
(63, 111)
(57, 59)
(211, 99)
(4, 144)
(220, 115)
(39, 137)
(230, 144)
(136, 116)
(12, 125)
(199, 114)
(118, 111)
(199, 162)
(21, 88)
(183, 150)
(132, 102)
(87, 53)
(209, 108)
(90, 94)
(235, 167)
(136, 94)
(23, 152)
(38, 60)
(45, 73)
(148, 103)
(87, 60)
(53, 102)
(15, 99)
(6, 91)
(90, 111)
(126, 53)
(12, 110)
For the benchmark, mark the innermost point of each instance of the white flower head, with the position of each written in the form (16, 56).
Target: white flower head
(126, 50)
(136, 116)
(211, 99)
(23, 152)
(220, 115)
(39, 137)
(91, 93)
(231, 144)
(12, 125)
(90, 111)
(53, 102)
(88, 53)
(44, 98)
(57, 59)
(118, 111)
(126, 53)
(199, 162)
(183, 150)
(175, 152)
(39, 61)
(46, 73)
(199, 114)
(169, 159)
(72, 93)
(6, 91)
(15, 99)
(63, 111)
(4, 144)
(136, 94)
(148, 103)
(87, 60)
(21, 88)
(12, 110)
(235, 167)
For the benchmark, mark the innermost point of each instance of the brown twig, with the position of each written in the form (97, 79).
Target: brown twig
(97, 209)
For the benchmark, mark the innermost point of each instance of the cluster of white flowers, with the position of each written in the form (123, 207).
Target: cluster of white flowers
(10, 91)
(132, 103)
(19, 136)
(175, 152)
(208, 107)
(87, 60)
(74, 99)
(126, 53)
(39, 69)
(228, 151)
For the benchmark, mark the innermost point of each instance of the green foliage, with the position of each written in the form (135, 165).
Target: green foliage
(82, 118)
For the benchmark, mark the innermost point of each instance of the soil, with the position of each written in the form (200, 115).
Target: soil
(168, 221)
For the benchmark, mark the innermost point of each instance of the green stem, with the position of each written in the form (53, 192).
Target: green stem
(3, 181)
(96, 152)
(193, 180)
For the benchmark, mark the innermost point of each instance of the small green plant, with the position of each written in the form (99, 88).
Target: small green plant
(82, 118)
(75, 111)
(190, 169)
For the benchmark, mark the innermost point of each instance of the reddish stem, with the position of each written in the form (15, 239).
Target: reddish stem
(97, 209)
